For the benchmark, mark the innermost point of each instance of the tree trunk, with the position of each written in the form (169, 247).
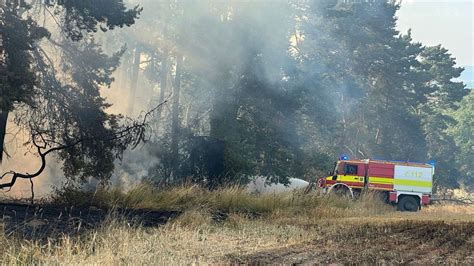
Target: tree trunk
(222, 116)
(163, 77)
(3, 131)
(134, 80)
(175, 117)
(163, 85)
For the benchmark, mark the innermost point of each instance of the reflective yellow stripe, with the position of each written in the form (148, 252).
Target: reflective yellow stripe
(381, 180)
(350, 178)
(401, 182)
(413, 183)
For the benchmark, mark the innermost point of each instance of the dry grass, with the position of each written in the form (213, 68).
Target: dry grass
(192, 238)
(288, 228)
(227, 200)
(450, 209)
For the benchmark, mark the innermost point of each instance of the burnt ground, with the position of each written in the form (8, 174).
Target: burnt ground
(407, 242)
(395, 242)
(41, 222)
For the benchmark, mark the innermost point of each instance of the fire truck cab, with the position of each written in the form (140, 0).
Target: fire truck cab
(406, 184)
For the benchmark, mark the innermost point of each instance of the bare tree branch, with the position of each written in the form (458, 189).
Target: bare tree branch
(135, 131)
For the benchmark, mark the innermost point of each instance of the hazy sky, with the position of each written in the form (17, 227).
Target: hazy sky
(446, 22)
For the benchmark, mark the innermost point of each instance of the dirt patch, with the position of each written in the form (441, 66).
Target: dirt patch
(408, 242)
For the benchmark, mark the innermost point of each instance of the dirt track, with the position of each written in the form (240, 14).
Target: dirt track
(42, 222)
(411, 242)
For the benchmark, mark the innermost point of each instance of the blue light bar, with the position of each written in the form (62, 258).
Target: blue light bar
(344, 157)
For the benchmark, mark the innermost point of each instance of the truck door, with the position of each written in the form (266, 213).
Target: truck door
(353, 175)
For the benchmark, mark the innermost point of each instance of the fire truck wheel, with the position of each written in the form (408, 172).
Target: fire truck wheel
(341, 190)
(408, 204)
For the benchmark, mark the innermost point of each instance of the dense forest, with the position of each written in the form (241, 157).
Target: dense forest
(214, 92)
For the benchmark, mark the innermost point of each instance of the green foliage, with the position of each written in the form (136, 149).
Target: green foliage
(86, 16)
(256, 127)
(286, 92)
(64, 105)
(287, 104)
(391, 95)
(86, 116)
(19, 38)
(463, 133)
(442, 95)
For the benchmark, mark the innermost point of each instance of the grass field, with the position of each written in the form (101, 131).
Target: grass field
(230, 226)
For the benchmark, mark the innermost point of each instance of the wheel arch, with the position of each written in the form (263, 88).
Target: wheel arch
(415, 195)
(341, 185)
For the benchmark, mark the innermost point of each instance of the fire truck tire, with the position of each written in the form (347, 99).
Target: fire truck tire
(341, 190)
(408, 204)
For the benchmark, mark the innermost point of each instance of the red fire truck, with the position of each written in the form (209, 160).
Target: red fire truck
(407, 184)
